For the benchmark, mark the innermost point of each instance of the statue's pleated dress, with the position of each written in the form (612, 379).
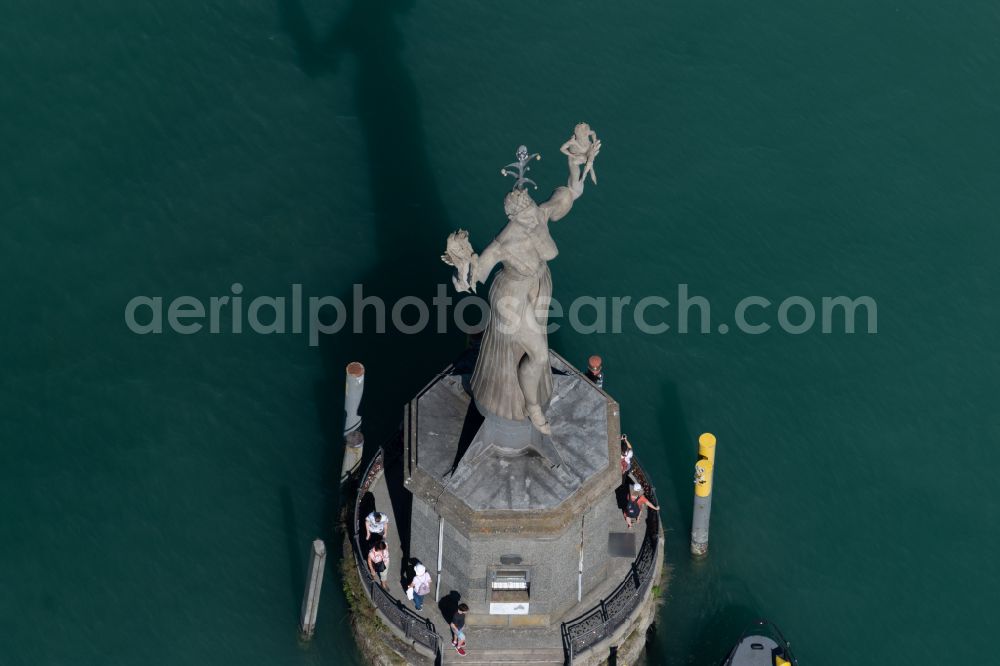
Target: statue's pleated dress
(513, 301)
(519, 300)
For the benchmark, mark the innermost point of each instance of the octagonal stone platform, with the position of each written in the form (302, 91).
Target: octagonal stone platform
(466, 468)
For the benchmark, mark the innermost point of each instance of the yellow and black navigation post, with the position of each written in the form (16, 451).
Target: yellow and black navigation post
(704, 470)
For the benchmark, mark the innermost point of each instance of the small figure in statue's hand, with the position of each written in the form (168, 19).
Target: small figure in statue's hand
(582, 148)
(458, 253)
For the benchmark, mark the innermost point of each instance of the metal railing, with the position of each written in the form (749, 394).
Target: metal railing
(414, 627)
(610, 613)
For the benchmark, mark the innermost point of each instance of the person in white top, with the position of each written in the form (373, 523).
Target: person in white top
(378, 524)
(420, 586)
(626, 460)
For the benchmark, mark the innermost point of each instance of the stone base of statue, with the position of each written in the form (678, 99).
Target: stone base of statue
(499, 438)
(467, 463)
(527, 527)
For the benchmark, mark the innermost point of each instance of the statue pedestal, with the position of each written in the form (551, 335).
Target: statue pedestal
(504, 437)
(464, 463)
(494, 498)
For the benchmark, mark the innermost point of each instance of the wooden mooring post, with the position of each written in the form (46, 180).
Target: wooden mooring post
(310, 603)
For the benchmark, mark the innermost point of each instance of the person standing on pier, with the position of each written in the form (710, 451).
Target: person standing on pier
(378, 562)
(594, 371)
(633, 505)
(420, 586)
(458, 628)
(627, 453)
(378, 524)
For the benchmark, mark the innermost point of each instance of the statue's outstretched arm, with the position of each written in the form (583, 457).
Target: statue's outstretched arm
(559, 204)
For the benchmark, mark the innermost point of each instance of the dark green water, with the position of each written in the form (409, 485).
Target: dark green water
(158, 492)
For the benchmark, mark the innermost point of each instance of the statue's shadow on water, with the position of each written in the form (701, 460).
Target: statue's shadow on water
(296, 570)
(409, 225)
(679, 450)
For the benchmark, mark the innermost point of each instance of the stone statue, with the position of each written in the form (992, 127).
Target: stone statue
(578, 148)
(512, 378)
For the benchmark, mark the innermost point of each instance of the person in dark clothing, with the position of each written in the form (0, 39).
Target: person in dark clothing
(633, 505)
(458, 628)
